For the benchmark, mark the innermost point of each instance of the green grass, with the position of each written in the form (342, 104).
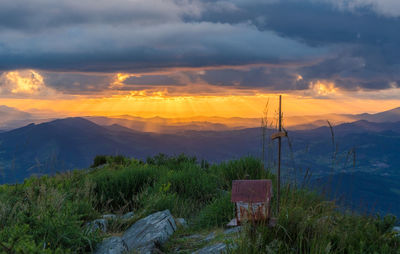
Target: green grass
(216, 214)
(49, 214)
(309, 224)
(117, 187)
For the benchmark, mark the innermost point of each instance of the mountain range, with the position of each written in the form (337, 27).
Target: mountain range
(12, 118)
(362, 153)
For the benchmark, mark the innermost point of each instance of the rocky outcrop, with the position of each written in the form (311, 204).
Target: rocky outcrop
(181, 222)
(111, 245)
(234, 230)
(142, 237)
(109, 216)
(146, 233)
(99, 224)
(128, 216)
(102, 224)
(217, 248)
(397, 230)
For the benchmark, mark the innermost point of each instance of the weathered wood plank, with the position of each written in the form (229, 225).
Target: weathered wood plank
(280, 134)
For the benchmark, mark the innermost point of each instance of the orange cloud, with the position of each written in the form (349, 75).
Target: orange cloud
(23, 83)
(191, 100)
(323, 88)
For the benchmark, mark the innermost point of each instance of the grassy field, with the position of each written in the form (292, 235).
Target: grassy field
(49, 214)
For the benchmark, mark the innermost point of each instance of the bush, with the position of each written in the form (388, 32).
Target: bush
(115, 189)
(192, 182)
(99, 160)
(247, 167)
(17, 239)
(171, 162)
(179, 207)
(42, 215)
(216, 214)
(118, 160)
(113, 160)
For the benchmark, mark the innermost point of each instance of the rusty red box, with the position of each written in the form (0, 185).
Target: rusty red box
(252, 199)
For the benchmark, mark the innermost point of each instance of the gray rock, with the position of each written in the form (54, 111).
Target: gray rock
(197, 236)
(397, 230)
(213, 249)
(128, 216)
(109, 216)
(209, 237)
(233, 230)
(111, 245)
(145, 234)
(182, 222)
(99, 224)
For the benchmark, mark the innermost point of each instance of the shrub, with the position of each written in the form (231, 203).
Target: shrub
(247, 167)
(171, 162)
(116, 189)
(118, 160)
(192, 182)
(179, 207)
(17, 239)
(41, 215)
(217, 213)
(99, 160)
(112, 160)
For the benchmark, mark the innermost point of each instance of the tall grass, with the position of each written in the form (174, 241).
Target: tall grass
(49, 214)
(309, 224)
(217, 213)
(46, 214)
(117, 188)
(243, 168)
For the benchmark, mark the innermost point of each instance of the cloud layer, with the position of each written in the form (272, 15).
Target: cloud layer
(79, 46)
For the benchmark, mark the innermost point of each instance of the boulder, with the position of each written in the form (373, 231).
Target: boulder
(196, 236)
(111, 245)
(128, 216)
(147, 233)
(109, 216)
(99, 224)
(217, 248)
(181, 222)
(209, 237)
(397, 230)
(234, 230)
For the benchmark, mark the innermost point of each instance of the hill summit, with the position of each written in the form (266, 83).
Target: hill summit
(169, 204)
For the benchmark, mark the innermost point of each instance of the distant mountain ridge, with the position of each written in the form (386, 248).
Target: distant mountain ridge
(11, 118)
(391, 115)
(73, 142)
(69, 143)
(310, 122)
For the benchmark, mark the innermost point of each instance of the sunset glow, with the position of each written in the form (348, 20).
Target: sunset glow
(322, 97)
(175, 61)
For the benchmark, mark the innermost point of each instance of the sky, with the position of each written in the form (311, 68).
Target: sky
(183, 58)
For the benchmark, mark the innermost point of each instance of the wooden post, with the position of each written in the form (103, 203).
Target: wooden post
(279, 135)
(279, 152)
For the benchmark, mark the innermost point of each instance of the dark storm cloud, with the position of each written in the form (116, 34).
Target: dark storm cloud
(257, 77)
(36, 16)
(365, 34)
(312, 21)
(157, 80)
(76, 83)
(353, 43)
(130, 48)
